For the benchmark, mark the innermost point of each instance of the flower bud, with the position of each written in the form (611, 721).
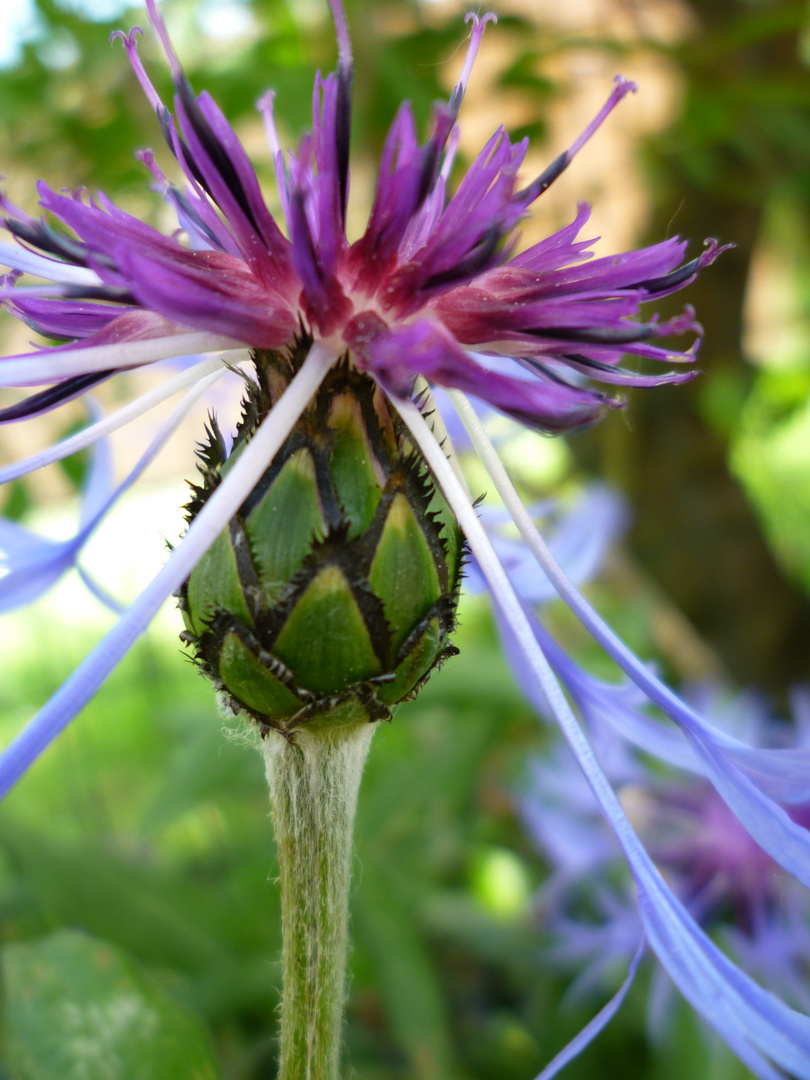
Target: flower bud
(331, 596)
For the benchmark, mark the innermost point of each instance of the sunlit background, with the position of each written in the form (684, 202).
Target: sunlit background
(146, 827)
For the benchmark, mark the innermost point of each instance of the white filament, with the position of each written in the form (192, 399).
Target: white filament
(49, 366)
(93, 432)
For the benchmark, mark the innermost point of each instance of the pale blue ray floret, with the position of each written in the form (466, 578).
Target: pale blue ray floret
(728, 883)
(433, 288)
(33, 563)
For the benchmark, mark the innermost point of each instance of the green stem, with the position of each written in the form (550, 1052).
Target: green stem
(313, 789)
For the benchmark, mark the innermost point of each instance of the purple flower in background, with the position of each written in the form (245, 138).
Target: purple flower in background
(432, 289)
(734, 889)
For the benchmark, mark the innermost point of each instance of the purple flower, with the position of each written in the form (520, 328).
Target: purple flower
(729, 884)
(432, 289)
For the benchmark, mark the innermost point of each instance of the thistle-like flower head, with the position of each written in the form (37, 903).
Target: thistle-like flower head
(433, 287)
(731, 886)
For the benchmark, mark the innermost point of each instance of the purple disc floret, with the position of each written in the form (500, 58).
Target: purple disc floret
(431, 288)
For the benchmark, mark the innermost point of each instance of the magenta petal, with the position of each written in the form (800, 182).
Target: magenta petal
(229, 301)
(65, 318)
(277, 246)
(401, 185)
(428, 349)
(559, 249)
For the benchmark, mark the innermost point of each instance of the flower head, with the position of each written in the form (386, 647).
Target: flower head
(433, 289)
(730, 885)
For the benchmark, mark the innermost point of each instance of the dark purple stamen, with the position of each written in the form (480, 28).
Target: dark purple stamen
(608, 369)
(544, 180)
(185, 208)
(48, 399)
(99, 292)
(473, 263)
(343, 123)
(673, 280)
(215, 150)
(598, 335)
(42, 236)
(556, 376)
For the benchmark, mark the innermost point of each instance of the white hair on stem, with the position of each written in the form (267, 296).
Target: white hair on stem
(314, 781)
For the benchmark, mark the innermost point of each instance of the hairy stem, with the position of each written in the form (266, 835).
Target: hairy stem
(313, 789)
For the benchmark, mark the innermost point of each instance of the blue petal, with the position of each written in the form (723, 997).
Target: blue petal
(595, 1026)
(783, 774)
(734, 768)
(74, 694)
(731, 766)
(99, 484)
(585, 533)
(579, 537)
(17, 542)
(33, 575)
(52, 269)
(768, 823)
(750, 1019)
(34, 563)
(784, 840)
(100, 593)
(754, 1023)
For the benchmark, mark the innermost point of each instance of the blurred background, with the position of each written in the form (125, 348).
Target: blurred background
(146, 827)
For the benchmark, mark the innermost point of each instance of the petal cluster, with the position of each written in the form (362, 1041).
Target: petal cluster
(747, 792)
(431, 288)
(730, 885)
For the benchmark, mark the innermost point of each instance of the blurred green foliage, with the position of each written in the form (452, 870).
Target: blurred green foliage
(146, 829)
(77, 1008)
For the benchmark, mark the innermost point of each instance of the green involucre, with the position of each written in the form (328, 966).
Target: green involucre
(331, 596)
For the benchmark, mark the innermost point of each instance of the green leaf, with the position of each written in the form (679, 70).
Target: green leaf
(351, 465)
(285, 522)
(251, 681)
(214, 585)
(78, 1009)
(152, 911)
(417, 663)
(325, 640)
(403, 574)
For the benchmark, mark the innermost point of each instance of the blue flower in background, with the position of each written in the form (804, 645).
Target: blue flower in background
(432, 289)
(33, 563)
(731, 887)
(578, 534)
(748, 777)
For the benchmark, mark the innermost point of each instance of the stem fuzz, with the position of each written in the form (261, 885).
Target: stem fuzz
(313, 788)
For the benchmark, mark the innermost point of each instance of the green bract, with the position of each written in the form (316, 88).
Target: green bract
(332, 594)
